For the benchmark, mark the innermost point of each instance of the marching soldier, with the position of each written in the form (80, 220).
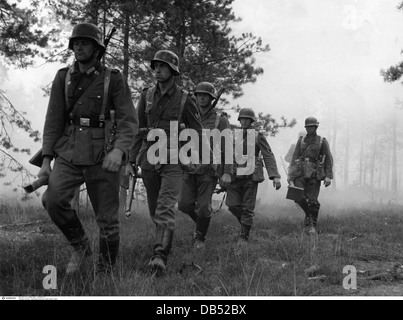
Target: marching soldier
(157, 108)
(311, 163)
(242, 192)
(198, 186)
(90, 124)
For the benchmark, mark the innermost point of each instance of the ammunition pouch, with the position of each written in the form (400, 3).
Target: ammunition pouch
(258, 174)
(309, 169)
(295, 170)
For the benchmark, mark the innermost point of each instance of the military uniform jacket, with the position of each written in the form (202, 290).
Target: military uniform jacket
(84, 145)
(209, 122)
(312, 148)
(263, 148)
(163, 109)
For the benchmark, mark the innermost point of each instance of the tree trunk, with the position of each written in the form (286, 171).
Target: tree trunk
(372, 168)
(334, 183)
(126, 58)
(388, 162)
(347, 155)
(361, 165)
(394, 159)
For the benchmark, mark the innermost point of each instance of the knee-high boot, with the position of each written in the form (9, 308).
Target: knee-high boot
(75, 235)
(162, 247)
(108, 252)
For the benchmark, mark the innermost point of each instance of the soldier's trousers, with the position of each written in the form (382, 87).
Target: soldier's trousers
(163, 191)
(103, 191)
(309, 202)
(241, 199)
(196, 195)
(196, 198)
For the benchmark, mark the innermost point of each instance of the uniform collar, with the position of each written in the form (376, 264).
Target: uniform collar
(170, 92)
(95, 69)
(208, 113)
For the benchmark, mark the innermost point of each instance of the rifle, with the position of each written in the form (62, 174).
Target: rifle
(37, 159)
(132, 187)
(284, 166)
(220, 92)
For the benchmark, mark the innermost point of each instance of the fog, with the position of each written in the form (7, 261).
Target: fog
(325, 61)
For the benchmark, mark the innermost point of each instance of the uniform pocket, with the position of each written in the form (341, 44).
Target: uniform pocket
(98, 144)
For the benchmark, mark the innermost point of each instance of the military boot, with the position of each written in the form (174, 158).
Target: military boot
(77, 258)
(162, 247)
(245, 231)
(108, 252)
(75, 235)
(193, 216)
(309, 225)
(202, 226)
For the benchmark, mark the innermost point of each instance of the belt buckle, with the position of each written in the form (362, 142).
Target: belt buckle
(84, 122)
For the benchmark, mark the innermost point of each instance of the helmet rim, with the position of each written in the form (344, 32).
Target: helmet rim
(95, 34)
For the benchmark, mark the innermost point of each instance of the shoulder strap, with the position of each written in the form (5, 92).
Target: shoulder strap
(66, 87)
(149, 103)
(149, 98)
(108, 72)
(320, 147)
(217, 119)
(300, 148)
(257, 142)
(107, 81)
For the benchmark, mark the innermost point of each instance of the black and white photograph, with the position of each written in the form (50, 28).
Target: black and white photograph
(203, 156)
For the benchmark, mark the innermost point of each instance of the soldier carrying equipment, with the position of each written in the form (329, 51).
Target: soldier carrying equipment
(157, 107)
(311, 163)
(90, 124)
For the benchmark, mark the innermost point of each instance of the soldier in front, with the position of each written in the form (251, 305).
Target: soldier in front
(89, 126)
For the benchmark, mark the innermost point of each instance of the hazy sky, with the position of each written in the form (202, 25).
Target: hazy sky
(324, 54)
(321, 48)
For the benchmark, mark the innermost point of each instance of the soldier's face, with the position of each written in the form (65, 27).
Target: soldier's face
(311, 129)
(84, 50)
(245, 122)
(162, 71)
(204, 100)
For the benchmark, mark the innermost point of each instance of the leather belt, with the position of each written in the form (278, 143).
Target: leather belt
(87, 122)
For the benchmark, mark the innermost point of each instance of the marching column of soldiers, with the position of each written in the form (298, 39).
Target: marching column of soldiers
(92, 131)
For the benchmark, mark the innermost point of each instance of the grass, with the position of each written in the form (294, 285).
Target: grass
(273, 263)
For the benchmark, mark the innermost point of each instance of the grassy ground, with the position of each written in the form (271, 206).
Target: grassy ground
(274, 263)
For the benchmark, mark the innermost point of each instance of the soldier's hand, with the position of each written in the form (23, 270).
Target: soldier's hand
(225, 180)
(327, 182)
(130, 169)
(277, 183)
(291, 183)
(45, 168)
(113, 160)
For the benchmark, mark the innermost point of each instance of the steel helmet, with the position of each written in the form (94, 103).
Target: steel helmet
(168, 57)
(311, 121)
(206, 87)
(86, 30)
(247, 113)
